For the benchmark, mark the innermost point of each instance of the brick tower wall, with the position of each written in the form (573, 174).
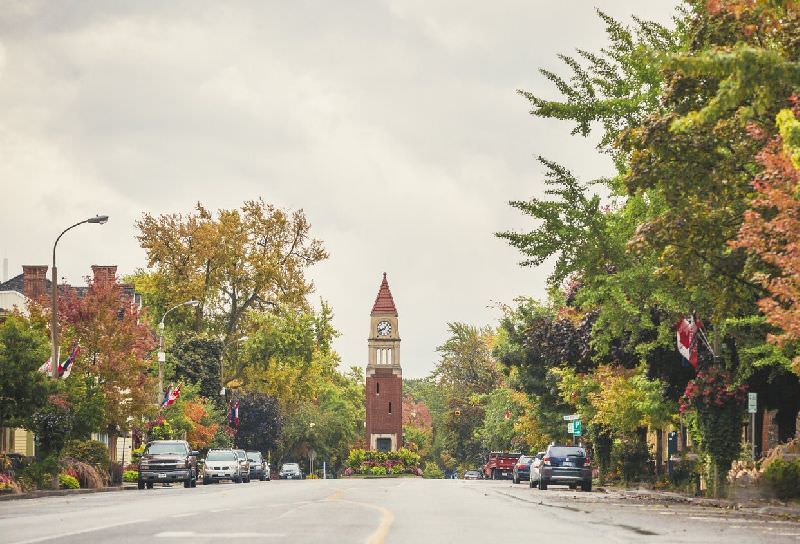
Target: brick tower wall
(379, 420)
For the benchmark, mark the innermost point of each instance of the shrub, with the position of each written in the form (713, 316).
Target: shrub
(38, 474)
(432, 470)
(88, 476)
(89, 451)
(629, 457)
(783, 477)
(378, 471)
(130, 476)
(136, 454)
(312, 477)
(66, 481)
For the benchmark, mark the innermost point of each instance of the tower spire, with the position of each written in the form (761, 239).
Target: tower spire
(384, 303)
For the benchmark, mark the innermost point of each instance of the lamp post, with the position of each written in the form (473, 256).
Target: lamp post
(222, 363)
(99, 220)
(162, 357)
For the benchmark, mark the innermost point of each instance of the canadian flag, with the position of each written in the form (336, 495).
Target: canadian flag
(686, 332)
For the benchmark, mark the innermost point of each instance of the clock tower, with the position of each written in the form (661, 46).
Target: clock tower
(384, 387)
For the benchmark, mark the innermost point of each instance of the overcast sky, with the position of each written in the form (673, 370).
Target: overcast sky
(393, 124)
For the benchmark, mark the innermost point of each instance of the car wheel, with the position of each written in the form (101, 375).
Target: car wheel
(149, 485)
(140, 484)
(237, 480)
(543, 485)
(586, 486)
(262, 477)
(494, 474)
(194, 480)
(206, 481)
(573, 486)
(515, 479)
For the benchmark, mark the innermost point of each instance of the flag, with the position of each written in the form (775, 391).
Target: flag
(235, 414)
(65, 368)
(171, 396)
(507, 415)
(686, 333)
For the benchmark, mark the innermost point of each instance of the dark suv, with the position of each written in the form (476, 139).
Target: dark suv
(565, 465)
(168, 461)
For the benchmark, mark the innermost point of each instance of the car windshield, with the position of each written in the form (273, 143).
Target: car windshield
(221, 456)
(290, 466)
(565, 451)
(255, 457)
(525, 460)
(165, 448)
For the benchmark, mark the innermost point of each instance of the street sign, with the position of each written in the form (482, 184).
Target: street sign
(162, 357)
(571, 427)
(752, 403)
(577, 428)
(571, 417)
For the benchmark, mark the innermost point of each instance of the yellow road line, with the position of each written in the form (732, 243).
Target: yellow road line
(387, 517)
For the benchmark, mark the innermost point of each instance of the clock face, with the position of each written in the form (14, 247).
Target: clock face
(384, 328)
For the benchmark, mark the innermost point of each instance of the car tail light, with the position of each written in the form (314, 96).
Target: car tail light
(520, 466)
(546, 460)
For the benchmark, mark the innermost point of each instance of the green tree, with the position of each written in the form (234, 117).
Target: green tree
(23, 390)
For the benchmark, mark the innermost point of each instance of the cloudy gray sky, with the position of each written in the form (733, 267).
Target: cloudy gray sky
(393, 124)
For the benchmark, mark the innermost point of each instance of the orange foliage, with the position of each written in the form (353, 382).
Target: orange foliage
(771, 230)
(201, 434)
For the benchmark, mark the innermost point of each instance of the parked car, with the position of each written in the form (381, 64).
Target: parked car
(537, 460)
(522, 469)
(291, 471)
(564, 465)
(500, 464)
(167, 461)
(473, 475)
(258, 467)
(221, 465)
(244, 466)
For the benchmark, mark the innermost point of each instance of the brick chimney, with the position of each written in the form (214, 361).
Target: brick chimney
(104, 273)
(34, 281)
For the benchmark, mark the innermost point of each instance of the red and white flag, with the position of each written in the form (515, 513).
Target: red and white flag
(172, 395)
(686, 332)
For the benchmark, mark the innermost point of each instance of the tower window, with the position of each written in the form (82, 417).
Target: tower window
(377, 389)
(390, 407)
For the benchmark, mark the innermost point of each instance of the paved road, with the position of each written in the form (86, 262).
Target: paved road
(375, 511)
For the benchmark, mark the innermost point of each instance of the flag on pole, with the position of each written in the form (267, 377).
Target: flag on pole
(65, 368)
(171, 396)
(686, 333)
(507, 415)
(235, 414)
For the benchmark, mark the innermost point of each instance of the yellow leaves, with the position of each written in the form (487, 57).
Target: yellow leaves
(789, 128)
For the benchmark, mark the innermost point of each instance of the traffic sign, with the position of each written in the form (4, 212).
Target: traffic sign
(571, 427)
(571, 417)
(752, 403)
(577, 428)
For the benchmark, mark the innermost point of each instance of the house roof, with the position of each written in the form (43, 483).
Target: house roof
(384, 303)
(17, 284)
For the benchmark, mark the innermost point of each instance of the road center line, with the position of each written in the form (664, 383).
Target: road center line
(379, 534)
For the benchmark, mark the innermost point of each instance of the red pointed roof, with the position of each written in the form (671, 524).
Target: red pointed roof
(384, 303)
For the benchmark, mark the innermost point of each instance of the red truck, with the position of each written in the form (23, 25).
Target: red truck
(500, 464)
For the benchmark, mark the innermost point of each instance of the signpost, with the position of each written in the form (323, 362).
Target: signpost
(752, 408)
(574, 426)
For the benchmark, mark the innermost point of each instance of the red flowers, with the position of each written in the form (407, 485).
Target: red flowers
(711, 389)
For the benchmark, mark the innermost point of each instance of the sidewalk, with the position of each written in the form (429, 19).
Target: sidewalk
(759, 506)
(39, 493)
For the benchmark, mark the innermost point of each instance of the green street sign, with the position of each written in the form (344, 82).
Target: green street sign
(577, 428)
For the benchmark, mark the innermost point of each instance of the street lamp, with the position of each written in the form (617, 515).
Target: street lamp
(98, 219)
(222, 363)
(162, 357)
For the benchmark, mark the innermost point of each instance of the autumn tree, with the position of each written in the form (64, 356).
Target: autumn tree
(234, 261)
(115, 351)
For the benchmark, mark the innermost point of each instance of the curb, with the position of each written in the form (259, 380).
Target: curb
(60, 493)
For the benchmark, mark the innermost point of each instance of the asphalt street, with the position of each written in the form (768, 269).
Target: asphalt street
(374, 511)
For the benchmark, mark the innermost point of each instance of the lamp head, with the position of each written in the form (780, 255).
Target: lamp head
(99, 219)
(192, 302)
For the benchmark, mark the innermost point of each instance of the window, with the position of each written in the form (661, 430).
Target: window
(384, 444)
(377, 388)
(390, 407)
